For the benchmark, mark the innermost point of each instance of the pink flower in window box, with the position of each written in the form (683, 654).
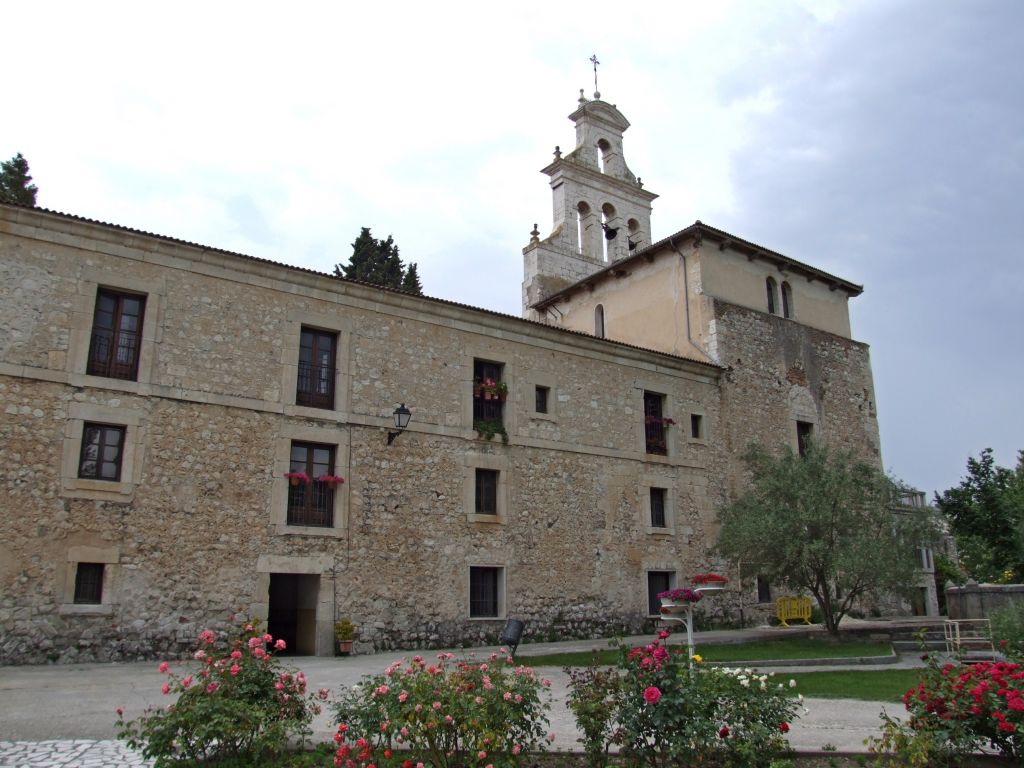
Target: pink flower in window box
(331, 480)
(297, 477)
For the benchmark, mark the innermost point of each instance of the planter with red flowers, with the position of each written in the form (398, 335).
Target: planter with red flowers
(331, 481)
(489, 389)
(297, 477)
(709, 582)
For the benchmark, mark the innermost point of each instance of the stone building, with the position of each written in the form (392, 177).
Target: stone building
(154, 394)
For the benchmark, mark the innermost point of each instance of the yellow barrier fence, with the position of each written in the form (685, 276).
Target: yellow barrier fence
(789, 608)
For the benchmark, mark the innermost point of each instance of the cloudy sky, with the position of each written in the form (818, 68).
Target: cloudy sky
(881, 140)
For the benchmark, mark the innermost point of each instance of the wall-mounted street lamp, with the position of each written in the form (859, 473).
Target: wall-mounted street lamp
(402, 416)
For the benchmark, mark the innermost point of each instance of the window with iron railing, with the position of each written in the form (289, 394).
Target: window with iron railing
(89, 583)
(311, 503)
(486, 587)
(658, 518)
(655, 437)
(315, 381)
(489, 392)
(116, 335)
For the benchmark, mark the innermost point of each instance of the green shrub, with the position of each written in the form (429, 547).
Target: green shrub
(237, 703)
(452, 714)
(1008, 630)
(594, 701)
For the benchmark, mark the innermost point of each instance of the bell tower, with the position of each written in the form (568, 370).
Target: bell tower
(601, 210)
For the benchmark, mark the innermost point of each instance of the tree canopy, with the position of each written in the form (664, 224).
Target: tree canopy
(825, 523)
(377, 261)
(986, 516)
(15, 182)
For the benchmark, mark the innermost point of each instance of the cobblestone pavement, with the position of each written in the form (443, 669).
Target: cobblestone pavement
(79, 753)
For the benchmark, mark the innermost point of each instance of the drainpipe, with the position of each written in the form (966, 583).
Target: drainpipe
(686, 299)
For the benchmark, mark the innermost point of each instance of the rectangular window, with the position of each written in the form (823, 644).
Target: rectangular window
(315, 382)
(654, 423)
(489, 391)
(804, 433)
(541, 405)
(311, 503)
(764, 590)
(116, 335)
(696, 426)
(102, 452)
(658, 581)
(485, 591)
(89, 583)
(658, 507)
(487, 491)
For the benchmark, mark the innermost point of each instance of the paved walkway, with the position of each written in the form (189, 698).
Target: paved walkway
(65, 715)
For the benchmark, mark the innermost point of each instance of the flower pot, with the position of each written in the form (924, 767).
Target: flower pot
(293, 481)
(705, 588)
(345, 647)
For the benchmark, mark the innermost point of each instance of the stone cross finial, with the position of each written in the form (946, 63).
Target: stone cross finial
(595, 62)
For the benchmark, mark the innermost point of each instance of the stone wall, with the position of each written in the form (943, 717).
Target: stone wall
(978, 601)
(194, 528)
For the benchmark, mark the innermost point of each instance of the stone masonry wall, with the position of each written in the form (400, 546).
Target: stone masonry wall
(195, 527)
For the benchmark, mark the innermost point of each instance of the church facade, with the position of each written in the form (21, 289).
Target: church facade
(188, 432)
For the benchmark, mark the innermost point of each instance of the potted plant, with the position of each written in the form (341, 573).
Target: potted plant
(331, 480)
(712, 579)
(679, 596)
(297, 477)
(344, 633)
(663, 421)
(490, 389)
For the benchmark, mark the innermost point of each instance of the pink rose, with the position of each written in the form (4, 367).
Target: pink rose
(120, 711)
(165, 689)
(236, 654)
(207, 636)
(551, 737)
(652, 695)
(280, 645)
(235, 669)
(186, 681)
(164, 666)
(507, 696)
(211, 687)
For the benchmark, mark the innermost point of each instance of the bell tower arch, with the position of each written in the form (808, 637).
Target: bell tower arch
(600, 209)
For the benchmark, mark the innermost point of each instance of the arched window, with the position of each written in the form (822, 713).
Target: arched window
(599, 321)
(607, 217)
(602, 151)
(773, 296)
(582, 214)
(787, 300)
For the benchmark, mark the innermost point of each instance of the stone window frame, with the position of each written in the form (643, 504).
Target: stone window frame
(668, 405)
(549, 382)
(297, 321)
(647, 482)
(306, 433)
(73, 486)
(673, 581)
(109, 558)
(471, 354)
(503, 466)
(315, 336)
(702, 438)
(321, 565)
(104, 430)
(83, 311)
(502, 611)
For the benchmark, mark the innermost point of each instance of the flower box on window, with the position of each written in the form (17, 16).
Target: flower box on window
(297, 477)
(489, 389)
(658, 420)
(331, 480)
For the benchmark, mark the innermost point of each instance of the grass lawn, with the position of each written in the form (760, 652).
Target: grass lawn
(869, 685)
(788, 648)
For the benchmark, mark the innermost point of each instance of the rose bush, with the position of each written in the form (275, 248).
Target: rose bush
(448, 714)
(957, 709)
(668, 709)
(235, 701)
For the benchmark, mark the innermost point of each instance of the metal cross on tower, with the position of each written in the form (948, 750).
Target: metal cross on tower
(595, 62)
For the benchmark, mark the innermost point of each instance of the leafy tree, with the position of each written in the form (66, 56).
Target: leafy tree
(15, 182)
(825, 523)
(986, 515)
(377, 261)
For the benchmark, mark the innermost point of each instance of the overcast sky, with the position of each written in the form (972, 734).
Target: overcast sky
(882, 141)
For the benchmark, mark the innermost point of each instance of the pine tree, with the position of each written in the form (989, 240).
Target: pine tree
(15, 182)
(411, 281)
(378, 262)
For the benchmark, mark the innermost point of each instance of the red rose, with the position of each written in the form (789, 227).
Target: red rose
(784, 727)
(652, 695)
(723, 732)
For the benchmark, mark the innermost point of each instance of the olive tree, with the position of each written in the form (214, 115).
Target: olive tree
(827, 523)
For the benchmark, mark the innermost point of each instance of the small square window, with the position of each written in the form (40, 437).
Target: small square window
(89, 584)
(486, 592)
(116, 335)
(102, 452)
(658, 518)
(696, 426)
(486, 492)
(658, 581)
(541, 405)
